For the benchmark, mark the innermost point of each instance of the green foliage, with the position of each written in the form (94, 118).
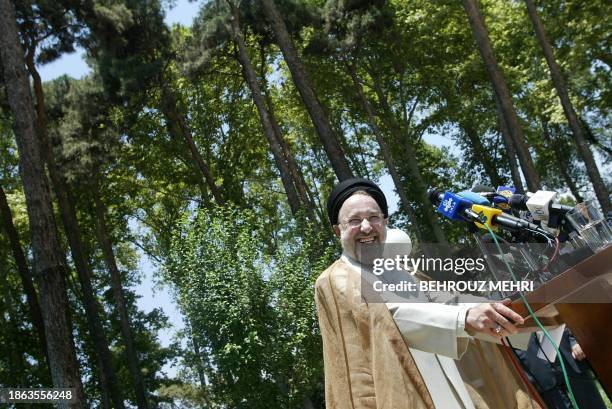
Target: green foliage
(21, 360)
(252, 312)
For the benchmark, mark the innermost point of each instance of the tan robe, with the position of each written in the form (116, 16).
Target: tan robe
(367, 362)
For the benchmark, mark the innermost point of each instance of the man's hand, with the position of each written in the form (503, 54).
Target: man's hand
(577, 352)
(494, 319)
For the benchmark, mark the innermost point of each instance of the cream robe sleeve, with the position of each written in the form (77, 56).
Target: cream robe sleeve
(432, 327)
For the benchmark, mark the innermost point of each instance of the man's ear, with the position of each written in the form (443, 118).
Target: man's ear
(337, 230)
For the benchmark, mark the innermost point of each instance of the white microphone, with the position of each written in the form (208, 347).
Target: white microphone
(539, 204)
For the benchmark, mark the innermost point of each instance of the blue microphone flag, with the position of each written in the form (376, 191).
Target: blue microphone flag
(451, 206)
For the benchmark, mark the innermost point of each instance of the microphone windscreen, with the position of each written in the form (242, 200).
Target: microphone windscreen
(475, 198)
(434, 195)
(518, 201)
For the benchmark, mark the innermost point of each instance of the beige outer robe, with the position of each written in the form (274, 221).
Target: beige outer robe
(367, 362)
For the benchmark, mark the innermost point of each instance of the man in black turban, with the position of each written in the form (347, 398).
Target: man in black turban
(358, 211)
(389, 356)
(346, 188)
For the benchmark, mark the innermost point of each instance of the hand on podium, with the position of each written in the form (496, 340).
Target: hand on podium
(493, 319)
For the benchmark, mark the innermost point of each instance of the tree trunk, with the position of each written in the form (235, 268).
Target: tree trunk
(14, 355)
(108, 379)
(118, 294)
(24, 272)
(510, 148)
(199, 364)
(363, 159)
(399, 187)
(298, 176)
(296, 173)
(316, 194)
(560, 161)
(264, 117)
(413, 166)
(481, 154)
(178, 129)
(599, 186)
(313, 106)
(48, 256)
(500, 87)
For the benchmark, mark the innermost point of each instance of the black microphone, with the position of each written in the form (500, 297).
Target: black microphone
(456, 208)
(519, 202)
(517, 224)
(556, 211)
(435, 196)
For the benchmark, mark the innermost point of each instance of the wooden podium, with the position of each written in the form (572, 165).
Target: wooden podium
(580, 297)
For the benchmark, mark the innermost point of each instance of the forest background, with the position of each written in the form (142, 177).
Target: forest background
(209, 150)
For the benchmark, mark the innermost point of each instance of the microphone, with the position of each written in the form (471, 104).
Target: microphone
(519, 202)
(455, 207)
(475, 198)
(505, 191)
(496, 218)
(502, 196)
(541, 207)
(497, 197)
(451, 205)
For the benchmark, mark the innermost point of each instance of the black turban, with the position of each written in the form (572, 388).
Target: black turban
(346, 188)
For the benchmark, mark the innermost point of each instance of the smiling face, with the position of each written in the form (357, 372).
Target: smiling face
(361, 225)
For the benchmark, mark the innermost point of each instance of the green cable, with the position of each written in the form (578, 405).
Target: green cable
(546, 334)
